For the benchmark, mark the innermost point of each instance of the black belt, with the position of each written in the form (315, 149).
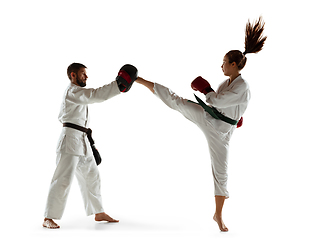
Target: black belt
(88, 132)
(213, 112)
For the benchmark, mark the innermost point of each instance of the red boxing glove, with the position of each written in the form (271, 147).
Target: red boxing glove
(240, 123)
(202, 85)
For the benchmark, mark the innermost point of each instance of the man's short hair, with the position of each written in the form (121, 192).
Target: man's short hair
(74, 67)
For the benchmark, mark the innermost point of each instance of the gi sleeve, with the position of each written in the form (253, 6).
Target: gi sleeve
(236, 95)
(80, 95)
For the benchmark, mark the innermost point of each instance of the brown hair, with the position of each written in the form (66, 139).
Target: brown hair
(74, 67)
(253, 43)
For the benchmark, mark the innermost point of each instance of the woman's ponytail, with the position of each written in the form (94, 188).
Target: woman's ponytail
(253, 38)
(253, 43)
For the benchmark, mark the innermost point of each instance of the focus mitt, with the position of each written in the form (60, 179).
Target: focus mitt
(126, 77)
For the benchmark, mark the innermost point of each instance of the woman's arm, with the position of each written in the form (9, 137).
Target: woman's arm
(146, 83)
(238, 94)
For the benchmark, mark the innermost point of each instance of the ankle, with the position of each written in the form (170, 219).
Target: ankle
(218, 214)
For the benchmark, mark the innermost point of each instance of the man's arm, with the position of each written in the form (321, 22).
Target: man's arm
(82, 95)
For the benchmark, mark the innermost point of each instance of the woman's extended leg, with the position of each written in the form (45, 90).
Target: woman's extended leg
(148, 84)
(191, 111)
(217, 147)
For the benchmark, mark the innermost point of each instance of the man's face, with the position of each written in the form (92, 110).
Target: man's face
(81, 77)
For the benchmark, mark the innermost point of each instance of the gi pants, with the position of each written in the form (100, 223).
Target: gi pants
(217, 133)
(87, 174)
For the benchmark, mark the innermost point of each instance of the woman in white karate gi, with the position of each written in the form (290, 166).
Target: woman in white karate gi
(230, 99)
(74, 155)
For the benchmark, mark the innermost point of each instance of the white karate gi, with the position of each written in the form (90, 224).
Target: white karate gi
(232, 102)
(74, 154)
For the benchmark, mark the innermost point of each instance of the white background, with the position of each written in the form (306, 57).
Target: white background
(156, 176)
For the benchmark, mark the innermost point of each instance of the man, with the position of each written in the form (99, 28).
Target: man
(74, 154)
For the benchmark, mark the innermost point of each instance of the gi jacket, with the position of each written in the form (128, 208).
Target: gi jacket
(230, 100)
(74, 109)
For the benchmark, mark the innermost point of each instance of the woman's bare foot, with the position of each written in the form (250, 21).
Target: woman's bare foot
(49, 223)
(104, 217)
(220, 223)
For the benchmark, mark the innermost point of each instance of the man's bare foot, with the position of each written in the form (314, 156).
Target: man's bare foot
(49, 223)
(104, 217)
(220, 223)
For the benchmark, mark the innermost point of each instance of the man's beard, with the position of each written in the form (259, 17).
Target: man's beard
(80, 82)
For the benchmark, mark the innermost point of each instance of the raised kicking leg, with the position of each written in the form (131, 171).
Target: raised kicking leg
(218, 214)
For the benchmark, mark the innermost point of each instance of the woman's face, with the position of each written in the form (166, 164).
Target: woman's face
(227, 67)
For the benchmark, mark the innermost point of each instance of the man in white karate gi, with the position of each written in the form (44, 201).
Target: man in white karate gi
(74, 154)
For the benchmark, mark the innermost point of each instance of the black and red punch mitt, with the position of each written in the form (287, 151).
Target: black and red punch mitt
(126, 77)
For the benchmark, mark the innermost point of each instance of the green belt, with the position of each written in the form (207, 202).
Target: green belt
(213, 112)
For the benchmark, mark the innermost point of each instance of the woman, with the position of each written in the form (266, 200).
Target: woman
(230, 101)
